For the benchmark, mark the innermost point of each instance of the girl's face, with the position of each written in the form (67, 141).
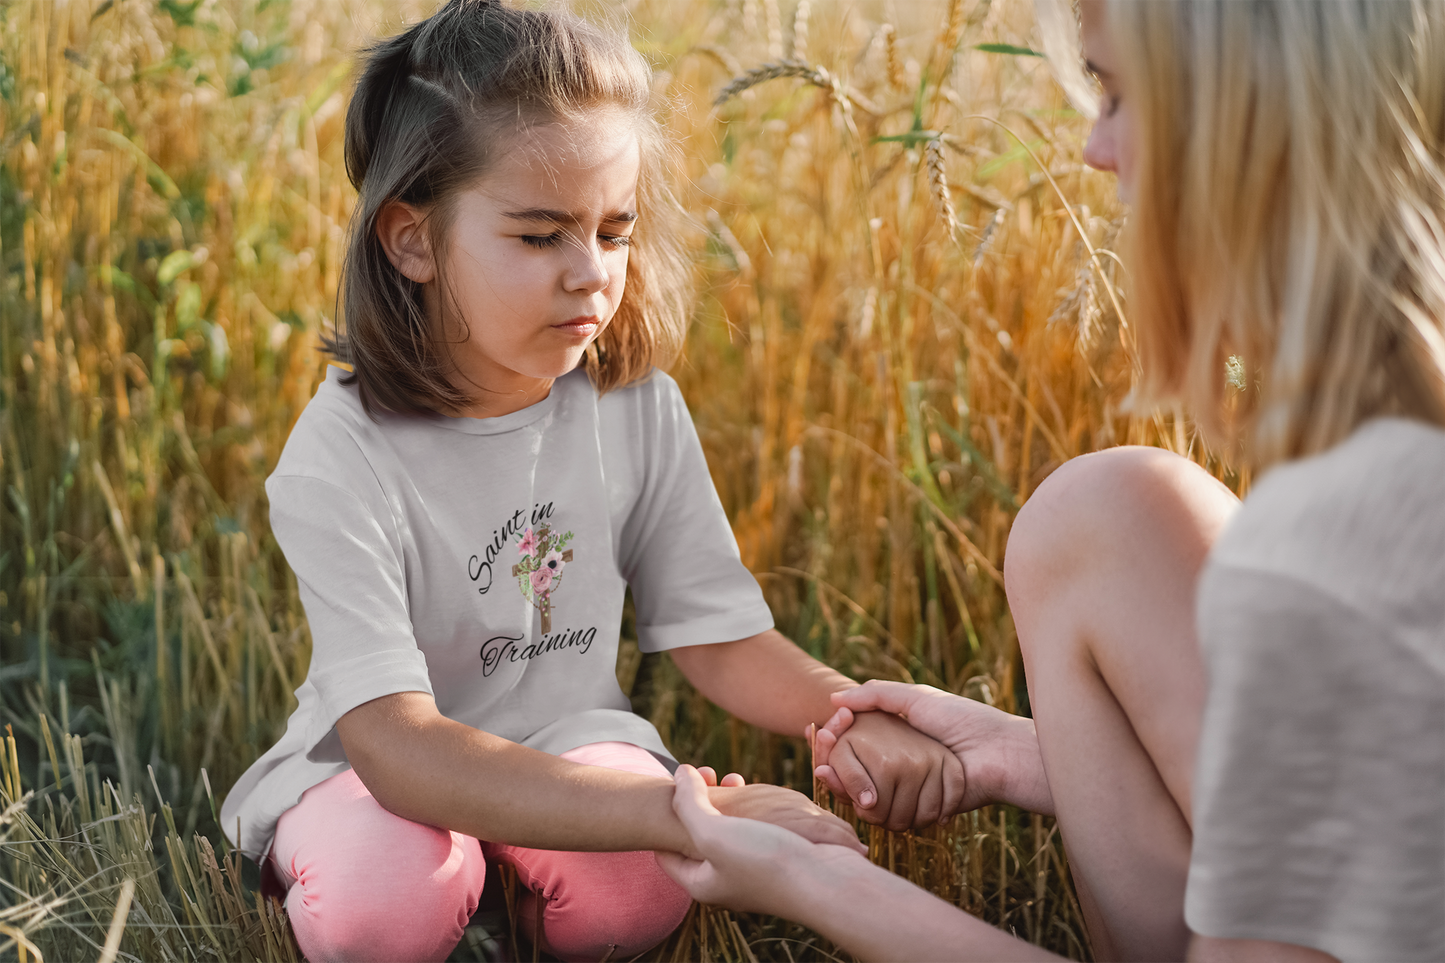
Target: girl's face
(1111, 145)
(536, 260)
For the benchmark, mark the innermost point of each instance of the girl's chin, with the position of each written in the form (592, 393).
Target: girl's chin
(534, 367)
(557, 366)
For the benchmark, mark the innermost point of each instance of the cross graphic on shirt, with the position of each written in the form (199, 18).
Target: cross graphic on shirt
(543, 599)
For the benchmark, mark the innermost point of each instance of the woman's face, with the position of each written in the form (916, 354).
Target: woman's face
(1111, 145)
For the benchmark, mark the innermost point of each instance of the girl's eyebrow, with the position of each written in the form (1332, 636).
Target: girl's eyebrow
(546, 214)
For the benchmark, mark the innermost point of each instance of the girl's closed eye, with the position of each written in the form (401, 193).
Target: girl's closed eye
(552, 240)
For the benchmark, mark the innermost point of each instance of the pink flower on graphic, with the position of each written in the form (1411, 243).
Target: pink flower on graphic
(539, 572)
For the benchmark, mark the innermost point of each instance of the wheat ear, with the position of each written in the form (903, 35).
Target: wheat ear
(896, 78)
(938, 180)
(817, 76)
(800, 29)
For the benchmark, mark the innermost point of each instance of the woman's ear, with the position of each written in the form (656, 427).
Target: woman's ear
(401, 228)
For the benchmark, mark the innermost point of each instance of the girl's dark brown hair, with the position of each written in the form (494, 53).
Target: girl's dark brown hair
(433, 107)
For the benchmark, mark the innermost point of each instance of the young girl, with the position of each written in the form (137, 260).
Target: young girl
(1239, 710)
(466, 509)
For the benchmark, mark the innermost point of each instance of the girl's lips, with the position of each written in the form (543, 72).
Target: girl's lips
(577, 326)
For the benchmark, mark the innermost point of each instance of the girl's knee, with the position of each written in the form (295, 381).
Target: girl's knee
(404, 900)
(385, 933)
(616, 904)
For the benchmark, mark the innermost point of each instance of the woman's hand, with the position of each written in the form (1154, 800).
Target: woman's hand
(742, 863)
(767, 680)
(905, 778)
(998, 752)
(785, 808)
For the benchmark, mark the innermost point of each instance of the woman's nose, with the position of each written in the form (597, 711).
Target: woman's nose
(1099, 149)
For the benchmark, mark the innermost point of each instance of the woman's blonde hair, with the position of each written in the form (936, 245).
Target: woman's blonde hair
(434, 106)
(1289, 209)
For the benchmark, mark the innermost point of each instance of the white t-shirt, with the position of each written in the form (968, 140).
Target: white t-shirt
(1319, 795)
(484, 561)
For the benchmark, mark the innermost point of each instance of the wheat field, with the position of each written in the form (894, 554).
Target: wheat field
(908, 314)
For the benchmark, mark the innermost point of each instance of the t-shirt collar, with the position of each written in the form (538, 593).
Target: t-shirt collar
(499, 424)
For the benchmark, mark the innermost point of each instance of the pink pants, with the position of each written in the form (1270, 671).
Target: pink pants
(364, 884)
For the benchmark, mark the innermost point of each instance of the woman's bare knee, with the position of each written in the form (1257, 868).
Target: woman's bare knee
(1097, 522)
(1102, 503)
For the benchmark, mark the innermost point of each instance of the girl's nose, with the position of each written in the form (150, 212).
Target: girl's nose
(586, 269)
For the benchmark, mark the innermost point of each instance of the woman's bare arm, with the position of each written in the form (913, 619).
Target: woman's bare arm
(425, 767)
(872, 913)
(877, 915)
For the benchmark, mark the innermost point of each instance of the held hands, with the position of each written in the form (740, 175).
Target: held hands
(740, 863)
(785, 808)
(896, 775)
(997, 753)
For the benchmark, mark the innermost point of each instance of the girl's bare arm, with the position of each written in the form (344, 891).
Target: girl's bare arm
(425, 767)
(765, 680)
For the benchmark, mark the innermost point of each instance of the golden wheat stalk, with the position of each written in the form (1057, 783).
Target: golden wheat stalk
(721, 56)
(896, 78)
(952, 30)
(815, 75)
(819, 76)
(800, 30)
(1081, 306)
(938, 181)
(775, 27)
(986, 241)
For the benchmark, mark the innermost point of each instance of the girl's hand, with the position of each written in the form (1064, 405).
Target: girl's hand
(997, 752)
(782, 807)
(709, 776)
(743, 864)
(895, 775)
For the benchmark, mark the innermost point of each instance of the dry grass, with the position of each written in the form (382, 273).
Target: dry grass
(900, 334)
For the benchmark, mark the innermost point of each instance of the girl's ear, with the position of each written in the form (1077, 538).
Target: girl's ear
(401, 228)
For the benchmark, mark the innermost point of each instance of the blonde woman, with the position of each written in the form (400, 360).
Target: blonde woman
(1239, 710)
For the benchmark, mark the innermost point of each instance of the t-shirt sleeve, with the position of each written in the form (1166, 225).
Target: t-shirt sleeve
(678, 554)
(349, 567)
(1319, 797)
